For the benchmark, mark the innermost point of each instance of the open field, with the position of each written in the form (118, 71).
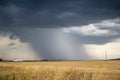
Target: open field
(60, 70)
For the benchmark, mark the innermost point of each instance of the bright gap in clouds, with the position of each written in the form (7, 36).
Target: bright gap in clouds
(11, 47)
(98, 51)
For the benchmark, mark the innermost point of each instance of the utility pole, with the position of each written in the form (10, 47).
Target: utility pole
(105, 55)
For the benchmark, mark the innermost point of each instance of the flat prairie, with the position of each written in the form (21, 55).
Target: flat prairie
(61, 70)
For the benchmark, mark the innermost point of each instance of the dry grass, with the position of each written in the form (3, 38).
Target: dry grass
(60, 70)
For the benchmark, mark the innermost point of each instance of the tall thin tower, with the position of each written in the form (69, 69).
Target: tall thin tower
(106, 55)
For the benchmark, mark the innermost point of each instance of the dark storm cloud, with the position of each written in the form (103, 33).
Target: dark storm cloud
(54, 13)
(95, 39)
(15, 14)
(39, 23)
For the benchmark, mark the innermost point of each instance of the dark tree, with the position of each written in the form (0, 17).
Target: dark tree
(0, 59)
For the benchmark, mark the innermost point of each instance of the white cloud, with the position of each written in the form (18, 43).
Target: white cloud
(109, 23)
(95, 29)
(11, 47)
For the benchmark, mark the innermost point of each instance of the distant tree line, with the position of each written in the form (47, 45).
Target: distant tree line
(44, 60)
(0, 59)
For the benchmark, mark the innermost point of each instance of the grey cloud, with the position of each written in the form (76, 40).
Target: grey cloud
(44, 14)
(96, 33)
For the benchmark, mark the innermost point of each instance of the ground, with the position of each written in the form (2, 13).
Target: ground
(61, 70)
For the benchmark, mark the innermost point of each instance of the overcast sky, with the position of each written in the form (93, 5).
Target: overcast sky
(59, 29)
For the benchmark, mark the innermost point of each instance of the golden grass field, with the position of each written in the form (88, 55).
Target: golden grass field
(60, 70)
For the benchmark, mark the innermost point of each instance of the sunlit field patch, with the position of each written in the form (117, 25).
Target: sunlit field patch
(60, 70)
